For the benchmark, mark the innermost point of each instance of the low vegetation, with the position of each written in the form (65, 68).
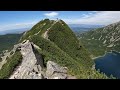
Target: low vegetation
(102, 40)
(66, 40)
(8, 68)
(63, 47)
(8, 41)
(52, 52)
(0, 59)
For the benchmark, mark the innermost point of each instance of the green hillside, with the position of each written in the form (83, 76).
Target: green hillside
(102, 40)
(7, 41)
(11, 64)
(58, 43)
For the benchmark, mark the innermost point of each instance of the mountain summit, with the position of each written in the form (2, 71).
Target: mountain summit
(49, 50)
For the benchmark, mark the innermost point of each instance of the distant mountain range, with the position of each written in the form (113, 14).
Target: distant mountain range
(85, 25)
(14, 31)
(74, 27)
(81, 28)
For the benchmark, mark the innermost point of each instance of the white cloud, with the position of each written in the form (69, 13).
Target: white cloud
(94, 17)
(17, 26)
(51, 14)
(99, 17)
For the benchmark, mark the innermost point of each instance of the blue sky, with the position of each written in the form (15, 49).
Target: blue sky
(24, 19)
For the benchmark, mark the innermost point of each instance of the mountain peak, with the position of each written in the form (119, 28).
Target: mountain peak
(51, 45)
(43, 27)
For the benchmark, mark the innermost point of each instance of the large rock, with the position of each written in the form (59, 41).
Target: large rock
(55, 71)
(71, 77)
(58, 76)
(31, 65)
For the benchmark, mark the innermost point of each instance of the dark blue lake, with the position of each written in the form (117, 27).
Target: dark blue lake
(109, 64)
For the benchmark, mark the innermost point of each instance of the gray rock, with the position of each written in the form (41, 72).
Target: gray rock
(33, 75)
(71, 77)
(58, 76)
(32, 66)
(55, 71)
(54, 68)
(29, 68)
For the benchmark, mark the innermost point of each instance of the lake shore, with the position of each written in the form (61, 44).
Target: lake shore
(105, 54)
(109, 63)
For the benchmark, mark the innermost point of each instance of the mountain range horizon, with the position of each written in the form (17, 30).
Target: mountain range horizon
(21, 30)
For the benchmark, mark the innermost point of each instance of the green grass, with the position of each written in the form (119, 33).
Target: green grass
(8, 67)
(50, 51)
(96, 47)
(36, 28)
(66, 40)
(0, 59)
(64, 48)
(7, 41)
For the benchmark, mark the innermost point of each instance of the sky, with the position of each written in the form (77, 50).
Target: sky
(26, 19)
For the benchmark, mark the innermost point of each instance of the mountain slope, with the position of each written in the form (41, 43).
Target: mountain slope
(54, 41)
(8, 40)
(63, 37)
(104, 39)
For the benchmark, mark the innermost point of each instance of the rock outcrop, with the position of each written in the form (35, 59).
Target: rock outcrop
(55, 71)
(32, 66)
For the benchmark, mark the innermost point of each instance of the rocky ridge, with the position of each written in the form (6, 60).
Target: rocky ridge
(32, 66)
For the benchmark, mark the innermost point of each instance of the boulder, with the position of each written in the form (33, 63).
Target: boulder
(54, 70)
(71, 77)
(58, 76)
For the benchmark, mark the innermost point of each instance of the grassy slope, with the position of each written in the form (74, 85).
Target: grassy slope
(96, 46)
(63, 48)
(7, 41)
(8, 67)
(52, 52)
(66, 40)
(40, 26)
(91, 44)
